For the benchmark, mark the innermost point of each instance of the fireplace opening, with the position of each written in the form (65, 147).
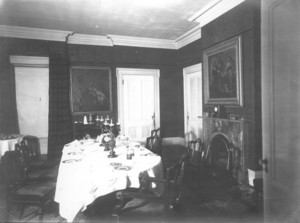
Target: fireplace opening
(220, 157)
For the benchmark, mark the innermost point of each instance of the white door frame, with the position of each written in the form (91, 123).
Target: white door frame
(187, 71)
(121, 72)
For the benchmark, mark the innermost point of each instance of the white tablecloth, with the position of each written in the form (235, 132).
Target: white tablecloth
(86, 172)
(7, 143)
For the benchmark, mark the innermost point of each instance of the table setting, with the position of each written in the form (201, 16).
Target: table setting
(90, 169)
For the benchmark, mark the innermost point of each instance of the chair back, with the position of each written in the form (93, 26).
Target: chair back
(24, 154)
(153, 143)
(174, 182)
(196, 153)
(33, 144)
(12, 170)
(155, 132)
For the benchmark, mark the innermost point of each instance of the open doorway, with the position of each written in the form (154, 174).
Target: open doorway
(192, 77)
(138, 102)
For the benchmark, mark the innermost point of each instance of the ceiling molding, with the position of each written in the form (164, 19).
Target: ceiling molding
(90, 40)
(142, 42)
(218, 8)
(206, 8)
(33, 33)
(188, 37)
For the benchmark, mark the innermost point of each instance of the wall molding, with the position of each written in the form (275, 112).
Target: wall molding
(213, 10)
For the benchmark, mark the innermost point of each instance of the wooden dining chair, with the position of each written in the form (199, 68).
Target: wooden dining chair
(19, 192)
(155, 132)
(34, 174)
(33, 144)
(196, 154)
(144, 205)
(36, 160)
(153, 143)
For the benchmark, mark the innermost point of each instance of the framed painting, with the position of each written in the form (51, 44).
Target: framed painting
(223, 74)
(91, 89)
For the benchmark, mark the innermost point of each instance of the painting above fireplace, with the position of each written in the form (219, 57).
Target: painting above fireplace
(223, 73)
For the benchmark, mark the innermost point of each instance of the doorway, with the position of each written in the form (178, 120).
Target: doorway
(138, 102)
(192, 80)
(32, 96)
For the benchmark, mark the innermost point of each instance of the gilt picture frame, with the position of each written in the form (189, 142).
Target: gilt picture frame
(91, 89)
(222, 67)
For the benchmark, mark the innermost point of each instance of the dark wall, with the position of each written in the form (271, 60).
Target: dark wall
(117, 56)
(244, 21)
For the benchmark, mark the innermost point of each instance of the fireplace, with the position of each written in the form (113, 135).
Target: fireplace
(219, 156)
(225, 141)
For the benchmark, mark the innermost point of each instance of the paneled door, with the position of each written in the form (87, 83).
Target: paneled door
(192, 78)
(138, 98)
(280, 35)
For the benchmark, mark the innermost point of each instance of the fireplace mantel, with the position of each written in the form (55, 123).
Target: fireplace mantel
(236, 132)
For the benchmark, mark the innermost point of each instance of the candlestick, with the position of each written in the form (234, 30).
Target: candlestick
(105, 122)
(90, 119)
(85, 120)
(111, 123)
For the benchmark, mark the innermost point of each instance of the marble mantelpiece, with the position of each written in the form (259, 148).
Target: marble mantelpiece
(235, 132)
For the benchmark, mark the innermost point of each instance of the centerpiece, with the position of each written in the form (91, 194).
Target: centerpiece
(109, 143)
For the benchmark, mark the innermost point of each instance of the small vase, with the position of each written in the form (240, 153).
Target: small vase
(112, 153)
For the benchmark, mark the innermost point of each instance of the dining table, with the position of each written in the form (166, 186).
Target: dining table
(87, 171)
(8, 142)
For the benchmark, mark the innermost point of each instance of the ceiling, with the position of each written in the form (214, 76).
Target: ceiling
(160, 19)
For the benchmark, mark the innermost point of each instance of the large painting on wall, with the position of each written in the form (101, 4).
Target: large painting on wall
(223, 73)
(90, 89)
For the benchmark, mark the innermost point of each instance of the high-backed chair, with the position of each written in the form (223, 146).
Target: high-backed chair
(36, 161)
(145, 205)
(34, 174)
(20, 193)
(33, 144)
(196, 154)
(155, 132)
(153, 142)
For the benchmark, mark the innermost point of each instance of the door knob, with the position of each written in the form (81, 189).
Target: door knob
(264, 164)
